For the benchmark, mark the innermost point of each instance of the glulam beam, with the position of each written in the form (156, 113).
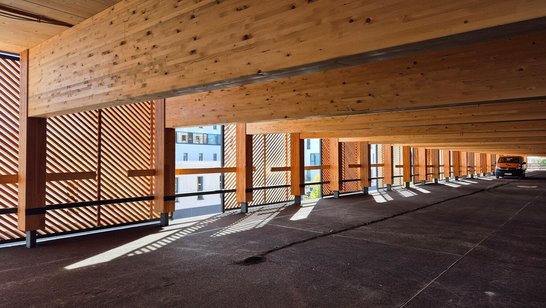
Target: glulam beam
(244, 170)
(519, 110)
(165, 164)
(336, 165)
(474, 130)
(421, 163)
(31, 209)
(140, 49)
(447, 163)
(388, 168)
(507, 69)
(364, 166)
(297, 167)
(407, 166)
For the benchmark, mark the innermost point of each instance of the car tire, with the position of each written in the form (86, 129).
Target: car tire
(497, 176)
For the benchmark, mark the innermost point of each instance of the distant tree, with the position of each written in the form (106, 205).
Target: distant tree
(315, 193)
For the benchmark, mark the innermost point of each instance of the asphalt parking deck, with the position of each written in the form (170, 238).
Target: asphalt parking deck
(476, 242)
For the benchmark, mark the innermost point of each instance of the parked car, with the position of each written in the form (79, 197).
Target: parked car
(510, 166)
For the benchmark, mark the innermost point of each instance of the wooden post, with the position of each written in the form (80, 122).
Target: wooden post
(464, 163)
(447, 164)
(471, 164)
(493, 162)
(165, 164)
(406, 161)
(244, 167)
(387, 166)
(483, 161)
(478, 163)
(32, 164)
(335, 166)
(435, 162)
(422, 164)
(416, 177)
(297, 164)
(364, 169)
(456, 164)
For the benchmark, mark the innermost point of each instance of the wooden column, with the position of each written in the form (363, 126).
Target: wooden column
(478, 163)
(335, 166)
(463, 158)
(488, 163)
(364, 168)
(484, 163)
(422, 164)
(435, 162)
(471, 164)
(297, 164)
(447, 164)
(32, 164)
(244, 167)
(165, 164)
(406, 161)
(387, 166)
(416, 177)
(456, 164)
(494, 161)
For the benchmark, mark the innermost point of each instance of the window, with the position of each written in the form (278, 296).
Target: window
(214, 139)
(185, 156)
(182, 137)
(315, 159)
(198, 138)
(214, 126)
(200, 187)
(308, 142)
(200, 156)
(215, 157)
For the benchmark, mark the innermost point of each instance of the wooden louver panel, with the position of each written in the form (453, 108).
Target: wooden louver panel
(108, 142)
(9, 144)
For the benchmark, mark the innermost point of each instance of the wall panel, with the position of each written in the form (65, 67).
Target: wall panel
(9, 145)
(108, 142)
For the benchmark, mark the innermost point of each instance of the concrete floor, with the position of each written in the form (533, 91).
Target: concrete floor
(481, 242)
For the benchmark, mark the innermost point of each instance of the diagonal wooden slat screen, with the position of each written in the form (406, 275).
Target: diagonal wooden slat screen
(349, 156)
(268, 151)
(108, 143)
(9, 144)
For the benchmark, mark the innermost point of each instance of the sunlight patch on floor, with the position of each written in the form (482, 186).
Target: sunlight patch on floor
(251, 221)
(450, 184)
(461, 182)
(303, 212)
(380, 197)
(147, 243)
(421, 190)
(405, 193)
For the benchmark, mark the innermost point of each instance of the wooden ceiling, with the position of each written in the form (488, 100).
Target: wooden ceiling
(465, 75)
(142, 49)
(18, 35)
